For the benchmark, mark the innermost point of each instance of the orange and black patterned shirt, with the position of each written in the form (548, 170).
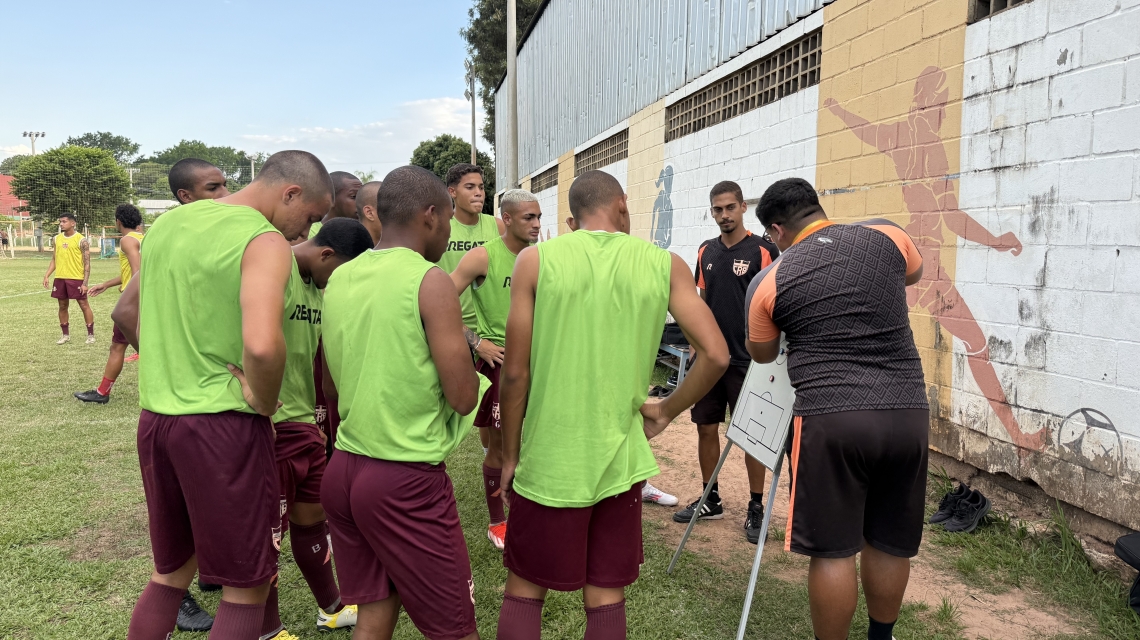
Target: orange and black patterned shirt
(839, 295)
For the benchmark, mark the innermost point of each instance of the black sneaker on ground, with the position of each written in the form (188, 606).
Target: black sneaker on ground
(709, 511)
(92, 396)
(754, 521)
(206, 586)
(949, 501)
(969, 512)
(191, 617)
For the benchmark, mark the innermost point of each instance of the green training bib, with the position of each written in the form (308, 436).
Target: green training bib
(302, 324)
(463, 239)
(493, 297)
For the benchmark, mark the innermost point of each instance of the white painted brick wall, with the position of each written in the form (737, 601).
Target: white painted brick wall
(756, 149)
(1051, 150)
(548, 204)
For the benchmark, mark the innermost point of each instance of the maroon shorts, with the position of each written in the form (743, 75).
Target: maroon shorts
(301, 464)
(488, 415)
(117, 336)
(66, 289)
(211, 489)
(567, 548)
(326, 415)
(396, 529)
(710, 409)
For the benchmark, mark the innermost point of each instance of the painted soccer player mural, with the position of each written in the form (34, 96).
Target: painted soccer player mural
(661, 228)
(920, 159)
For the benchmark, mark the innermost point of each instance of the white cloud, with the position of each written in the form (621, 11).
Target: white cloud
(16, 150)
(381, 145)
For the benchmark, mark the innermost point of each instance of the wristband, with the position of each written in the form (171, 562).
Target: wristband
(477, 343)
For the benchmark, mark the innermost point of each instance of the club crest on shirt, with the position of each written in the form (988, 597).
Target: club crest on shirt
(740, 267)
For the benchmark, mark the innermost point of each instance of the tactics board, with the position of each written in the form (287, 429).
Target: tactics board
(764, 410)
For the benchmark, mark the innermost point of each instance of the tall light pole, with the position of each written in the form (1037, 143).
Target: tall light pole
(33, 135)
(469, 93)
(512, 96)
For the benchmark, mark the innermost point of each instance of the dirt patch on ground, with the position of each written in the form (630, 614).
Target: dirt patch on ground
(119, 538)
(1008, 615)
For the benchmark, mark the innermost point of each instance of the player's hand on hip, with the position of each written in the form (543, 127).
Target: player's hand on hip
(490, 352)
(263, 408)
(655, 418)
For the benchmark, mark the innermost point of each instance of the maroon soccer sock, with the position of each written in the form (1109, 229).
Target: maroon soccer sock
(155, 612)
(521, 619)
(105, 386)
(606, 623)
(66, 329)
(236, 621)
(271, 621)
(91, 329)
(311, 552)
(492, 486)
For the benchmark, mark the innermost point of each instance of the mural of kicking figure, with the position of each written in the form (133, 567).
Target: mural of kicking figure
(915, 145)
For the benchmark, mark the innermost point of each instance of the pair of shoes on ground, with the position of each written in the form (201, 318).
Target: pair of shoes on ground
(191, 617)
(961, 510)
(753, 521)
(67, 338)
(659, 392)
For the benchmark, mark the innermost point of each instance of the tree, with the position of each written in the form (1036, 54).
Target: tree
(9, 165)
(445, 151)
(234, 163)
(486, 36)
(121, 147)
(85, 181)
(365, 176)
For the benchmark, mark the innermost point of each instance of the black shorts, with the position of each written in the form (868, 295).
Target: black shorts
(710, 409)
(858, 475)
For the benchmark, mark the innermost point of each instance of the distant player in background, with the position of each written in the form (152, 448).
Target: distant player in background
(394, 344)
(130, 226)
(366, 206)
(487, 271)
(725, 266)
(71, 263)
(212, 295)
(300, 445)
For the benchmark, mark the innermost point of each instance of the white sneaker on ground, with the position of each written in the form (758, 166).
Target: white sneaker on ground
(650, 493)
(346, 617)
(90, 339)
(63, 340)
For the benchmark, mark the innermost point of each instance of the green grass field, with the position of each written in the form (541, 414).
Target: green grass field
(74, 552)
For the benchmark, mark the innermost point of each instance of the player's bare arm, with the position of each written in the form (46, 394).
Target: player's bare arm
(50, 270)
(85, 248)
(710, 350)
(763, 352)
(514, 381)
(471, 269)
(130, 247)
(265, 268)
(443, 323)
(126, 312)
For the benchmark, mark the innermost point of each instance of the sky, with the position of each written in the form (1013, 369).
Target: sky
(359, 83)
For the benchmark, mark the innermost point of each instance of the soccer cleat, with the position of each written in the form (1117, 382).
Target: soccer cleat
(754, 521)
(650, 493)
(709, 511)
(206, 586)
(63, 340)
(134, 357)
(949, 501)
(90, 338)
(969, 513)
(346, 617)
(283, 635)
(497, 534)
(92, 395)
(191, 617)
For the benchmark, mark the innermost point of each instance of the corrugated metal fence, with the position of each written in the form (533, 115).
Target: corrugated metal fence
(589, 64)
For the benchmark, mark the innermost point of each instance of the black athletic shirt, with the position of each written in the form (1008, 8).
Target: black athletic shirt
(724, 275)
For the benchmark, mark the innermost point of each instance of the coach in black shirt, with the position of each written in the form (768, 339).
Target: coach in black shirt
(725, 266)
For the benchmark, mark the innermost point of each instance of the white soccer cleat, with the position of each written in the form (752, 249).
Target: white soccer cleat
(90, 339)
(63, 340)
(346, 617)
(650, 493)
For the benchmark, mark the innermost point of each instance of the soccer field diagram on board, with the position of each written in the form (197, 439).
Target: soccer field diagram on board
(764, 410)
